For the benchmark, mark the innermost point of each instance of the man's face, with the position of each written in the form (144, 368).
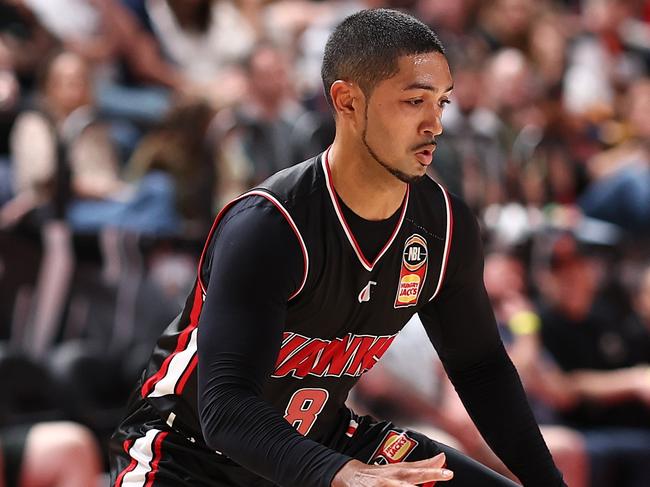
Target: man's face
(68, 84)
(268, 76)
(403, 115)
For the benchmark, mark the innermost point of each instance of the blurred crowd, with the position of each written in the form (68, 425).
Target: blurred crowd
(126, 124)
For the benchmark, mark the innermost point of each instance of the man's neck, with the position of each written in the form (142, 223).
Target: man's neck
(362, 183)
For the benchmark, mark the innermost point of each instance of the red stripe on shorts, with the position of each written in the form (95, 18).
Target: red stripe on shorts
(132, 465)
(157, 453)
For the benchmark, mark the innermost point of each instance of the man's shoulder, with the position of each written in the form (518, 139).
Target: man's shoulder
(435, 195)
(295, 182)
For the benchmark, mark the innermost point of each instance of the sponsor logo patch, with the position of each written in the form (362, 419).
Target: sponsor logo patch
(413, 271)
(395, 447)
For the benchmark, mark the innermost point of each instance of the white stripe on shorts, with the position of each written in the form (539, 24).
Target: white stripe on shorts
(142, 452)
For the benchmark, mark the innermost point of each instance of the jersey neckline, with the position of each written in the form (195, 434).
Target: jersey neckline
(369, 266)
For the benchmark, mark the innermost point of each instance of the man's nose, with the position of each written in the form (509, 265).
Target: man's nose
(432, 127)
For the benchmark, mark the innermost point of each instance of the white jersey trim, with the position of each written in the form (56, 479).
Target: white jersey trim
(448, 237)
(177, 367)
(285, 213)
(369, 266)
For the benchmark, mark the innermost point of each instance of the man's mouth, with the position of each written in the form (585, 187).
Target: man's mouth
(425, 156)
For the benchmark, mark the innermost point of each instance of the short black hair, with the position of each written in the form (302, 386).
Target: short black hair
(366, 46)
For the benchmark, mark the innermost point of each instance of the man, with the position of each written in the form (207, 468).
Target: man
(303, 284)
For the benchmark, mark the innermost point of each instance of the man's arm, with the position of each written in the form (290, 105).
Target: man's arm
(256, 265)
(461, 325)
(612, 386)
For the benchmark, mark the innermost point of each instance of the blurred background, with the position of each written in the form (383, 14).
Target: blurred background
(126, 124)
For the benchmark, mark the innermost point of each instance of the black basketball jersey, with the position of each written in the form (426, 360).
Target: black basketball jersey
(340, 321)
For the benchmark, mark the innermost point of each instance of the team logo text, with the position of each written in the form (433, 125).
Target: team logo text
(351, 355)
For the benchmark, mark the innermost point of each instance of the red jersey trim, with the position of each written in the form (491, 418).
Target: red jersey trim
(186, 375)
(145, 453)
(369, 266)
(157, 454)
(129, 468)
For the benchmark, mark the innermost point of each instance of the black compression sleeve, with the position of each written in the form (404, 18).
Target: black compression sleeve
(461, 325)
(256, 265)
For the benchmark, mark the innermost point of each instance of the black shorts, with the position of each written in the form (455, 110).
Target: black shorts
(144, 451)
(12, 448)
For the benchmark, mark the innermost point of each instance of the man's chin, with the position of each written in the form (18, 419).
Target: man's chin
(402, 176)
(407, 178)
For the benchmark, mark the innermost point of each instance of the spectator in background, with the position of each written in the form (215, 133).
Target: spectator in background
(78, 27)
(505, 23)
(143, 53)
(620, 189)
(61, 137)
(465, 147)
(23, 41)
(271, 129)
(64, 90)
(494, 130)
(49, 454)
(9, 99)
(589, 339)
(640, 297)
(180, 146)
(599, 60)
(193, 47)
(548, 390)
(105, 34)
(455, 24)
(470, 132)
(547, 45)
(507, 283)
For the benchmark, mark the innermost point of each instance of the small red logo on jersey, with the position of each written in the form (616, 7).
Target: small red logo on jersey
(394, 449)
(413, 271)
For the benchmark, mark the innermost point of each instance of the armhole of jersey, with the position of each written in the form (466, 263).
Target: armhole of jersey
(287, 217)
(448, 238)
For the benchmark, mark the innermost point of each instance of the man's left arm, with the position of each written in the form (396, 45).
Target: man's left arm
(462, 327)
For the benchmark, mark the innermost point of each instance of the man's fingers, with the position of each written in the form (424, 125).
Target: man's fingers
(428, 470)
(404, 477)
(438, 461)
(407, 474)
(420, 475)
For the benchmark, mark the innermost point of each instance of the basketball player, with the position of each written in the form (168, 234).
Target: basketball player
(304, 283)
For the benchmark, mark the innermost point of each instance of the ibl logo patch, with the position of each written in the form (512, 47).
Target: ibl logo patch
(413, 271)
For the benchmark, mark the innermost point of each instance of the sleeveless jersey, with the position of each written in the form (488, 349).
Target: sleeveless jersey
(340, 321)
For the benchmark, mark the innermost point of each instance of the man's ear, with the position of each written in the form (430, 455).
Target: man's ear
(345, 98)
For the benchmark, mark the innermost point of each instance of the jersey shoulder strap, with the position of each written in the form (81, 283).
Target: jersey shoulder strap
(286, 191)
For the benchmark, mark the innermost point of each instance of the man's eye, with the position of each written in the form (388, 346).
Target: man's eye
(444, 102)
(414, 102)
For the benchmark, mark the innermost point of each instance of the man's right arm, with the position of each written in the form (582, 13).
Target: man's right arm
(256, 265)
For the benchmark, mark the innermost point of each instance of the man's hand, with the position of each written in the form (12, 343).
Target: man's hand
(406, 474)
